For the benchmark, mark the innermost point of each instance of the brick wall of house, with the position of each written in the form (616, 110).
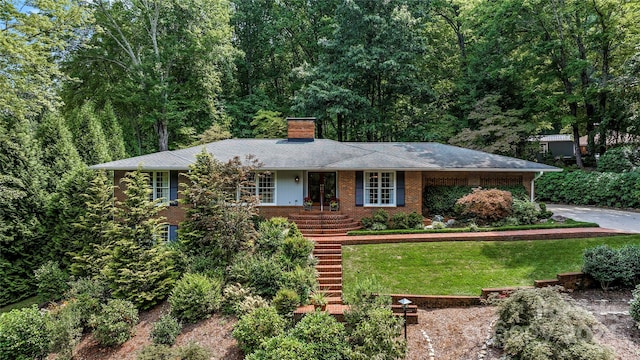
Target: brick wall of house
(347, 191)
(472, 178)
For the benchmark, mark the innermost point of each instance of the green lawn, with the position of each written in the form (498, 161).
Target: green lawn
(463, 268)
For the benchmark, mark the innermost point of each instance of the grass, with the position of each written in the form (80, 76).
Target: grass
(22, 304)
(464, 268)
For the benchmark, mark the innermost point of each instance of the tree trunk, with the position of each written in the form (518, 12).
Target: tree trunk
(163, 136)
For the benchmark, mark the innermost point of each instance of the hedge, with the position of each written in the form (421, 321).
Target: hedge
(620, 190)
(441, 200)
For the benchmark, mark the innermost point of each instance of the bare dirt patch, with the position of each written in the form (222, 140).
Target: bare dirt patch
(455, 333)
(213, 333)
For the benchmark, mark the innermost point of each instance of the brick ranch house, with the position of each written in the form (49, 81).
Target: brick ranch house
(363, 176)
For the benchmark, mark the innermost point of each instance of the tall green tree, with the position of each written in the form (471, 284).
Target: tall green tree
(165, 62)
(552, 58)
(34, 36)
(138, 265)
(88, 135)
(278, 39)
(373, 58)
(58, 153)
(220, 221)
(22, 200)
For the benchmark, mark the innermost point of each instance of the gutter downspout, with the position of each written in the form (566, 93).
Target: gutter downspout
(533, 183)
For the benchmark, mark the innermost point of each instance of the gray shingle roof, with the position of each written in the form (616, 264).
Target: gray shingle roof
(330, 155)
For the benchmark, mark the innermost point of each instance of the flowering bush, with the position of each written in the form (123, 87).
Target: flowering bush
(307, 201)
(334, 202)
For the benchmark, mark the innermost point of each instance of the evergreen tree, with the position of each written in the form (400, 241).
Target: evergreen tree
(138, 266)
(88, 135)
(113, 132)
(22, 246)
(57, 151)
(67, 211)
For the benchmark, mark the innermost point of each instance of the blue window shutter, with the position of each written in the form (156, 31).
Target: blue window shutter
(400, 188)
(173, 185)
(359, 188)
(173, 233)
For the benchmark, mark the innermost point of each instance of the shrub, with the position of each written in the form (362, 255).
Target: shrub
(115, 323)
(191, 351)
(442, 199)
(486, 206)
(23, 334)
(165, 330)
(634, 306)
(286, 302)
(282, 348)
(257, 326)
(195, 297)
(251, 303)
(301, 279)
(323, 334)
(540, 324)
(629, 257)
(525, 212)
(85, 297)
(52, 281)
(576, 187)
(65, 330)
(233, 295)
(378, 221)
(297, 250)
(619, 159)
(415, 221)
(156, 352)
(272, 234)
(400, 221)
(261, 273)
(603, 264)
(373, 332)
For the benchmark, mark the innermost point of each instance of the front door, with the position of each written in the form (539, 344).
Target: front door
(322, 184)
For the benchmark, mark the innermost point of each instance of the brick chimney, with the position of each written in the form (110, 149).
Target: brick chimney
(301, 129)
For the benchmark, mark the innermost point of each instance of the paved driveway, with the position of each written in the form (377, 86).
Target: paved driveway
(606, 218)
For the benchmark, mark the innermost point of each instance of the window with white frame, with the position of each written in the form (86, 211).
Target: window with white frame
(380, 188)
(159, 183)
(262, 185)
(544, 148)
(163, 234)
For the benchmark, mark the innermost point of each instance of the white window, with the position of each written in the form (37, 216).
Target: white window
(544, 148)
(380, 188)
(159, 183)
(262, 185)
(163, 234)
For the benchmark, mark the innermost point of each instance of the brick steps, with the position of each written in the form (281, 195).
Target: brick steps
(325, 223)
(329, 267)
